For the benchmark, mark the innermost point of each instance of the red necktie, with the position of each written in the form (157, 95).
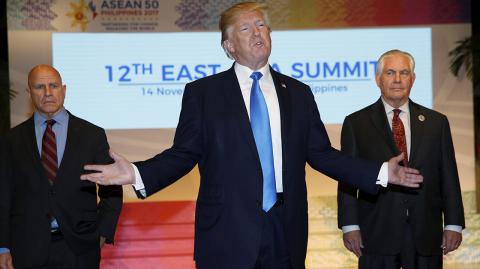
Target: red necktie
(49, 152)
(399, 135)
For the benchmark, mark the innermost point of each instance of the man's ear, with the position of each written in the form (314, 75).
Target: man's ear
(228, 46)
(377, 79)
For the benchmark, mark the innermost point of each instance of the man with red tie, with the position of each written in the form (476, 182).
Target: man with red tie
(411, 219)
(49, 218)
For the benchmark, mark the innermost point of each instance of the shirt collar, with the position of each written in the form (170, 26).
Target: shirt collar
(243, 73)
(61, 117)
(389, 109)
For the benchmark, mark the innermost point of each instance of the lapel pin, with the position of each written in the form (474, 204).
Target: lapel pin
(283, 85)
(421, 118)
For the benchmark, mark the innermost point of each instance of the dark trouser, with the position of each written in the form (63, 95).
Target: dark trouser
(273, 249)
(61, 257)
(408, 258)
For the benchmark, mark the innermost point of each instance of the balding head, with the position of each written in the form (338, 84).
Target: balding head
(44, 68)
(46, 90)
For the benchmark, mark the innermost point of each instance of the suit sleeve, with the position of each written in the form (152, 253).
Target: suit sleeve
(329, 161)
(347, 195)
(451, 194)
(111, 197)
(5, 196)
(172, 164)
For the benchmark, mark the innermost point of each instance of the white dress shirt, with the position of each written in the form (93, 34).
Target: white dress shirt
(270, 94)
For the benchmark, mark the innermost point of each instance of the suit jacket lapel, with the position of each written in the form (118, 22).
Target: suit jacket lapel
(380, 121)
(416, 129)
(30, 141)
(235, 98)
(71, 145)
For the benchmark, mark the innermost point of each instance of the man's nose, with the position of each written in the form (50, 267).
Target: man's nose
(48, 91)
(397, 77)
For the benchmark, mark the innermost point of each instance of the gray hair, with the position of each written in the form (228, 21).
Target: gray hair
(389, 53)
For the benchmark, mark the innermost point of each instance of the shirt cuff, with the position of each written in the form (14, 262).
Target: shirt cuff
(382, 178)
(4, 250)
(350, 228)
(455, 228)
(139, 187)
(138, 179)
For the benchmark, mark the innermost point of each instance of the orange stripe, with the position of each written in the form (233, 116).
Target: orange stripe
(51, 173)
(49, 149)
(51, 159)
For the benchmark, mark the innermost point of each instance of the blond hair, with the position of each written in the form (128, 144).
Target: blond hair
(230, 16)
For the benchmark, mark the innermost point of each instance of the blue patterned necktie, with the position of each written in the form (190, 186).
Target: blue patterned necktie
(260, 123)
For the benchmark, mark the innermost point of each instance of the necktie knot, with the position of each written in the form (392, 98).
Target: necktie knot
(256, 76)
(396, 112)
(50, 122)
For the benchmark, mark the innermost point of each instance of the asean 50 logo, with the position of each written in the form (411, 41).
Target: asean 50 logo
(82, 14)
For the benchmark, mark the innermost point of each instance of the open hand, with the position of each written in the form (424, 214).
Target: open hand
(118, 173)
(403, 176)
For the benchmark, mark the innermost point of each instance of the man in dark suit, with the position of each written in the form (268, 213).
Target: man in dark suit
(251, 131)
(49, 218)
(399, 227)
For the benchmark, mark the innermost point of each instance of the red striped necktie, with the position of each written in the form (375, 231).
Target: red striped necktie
(49, 152)
(398, 131)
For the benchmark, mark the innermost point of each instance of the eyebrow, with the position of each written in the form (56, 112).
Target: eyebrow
(395, 70)
(43, 84)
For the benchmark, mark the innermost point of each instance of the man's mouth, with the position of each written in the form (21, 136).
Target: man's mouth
(258, 44)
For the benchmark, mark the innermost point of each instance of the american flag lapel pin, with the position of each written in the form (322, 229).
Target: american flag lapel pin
(283, 85)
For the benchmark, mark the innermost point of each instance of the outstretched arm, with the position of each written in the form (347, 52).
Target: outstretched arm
(361, 174)
(165, 168)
